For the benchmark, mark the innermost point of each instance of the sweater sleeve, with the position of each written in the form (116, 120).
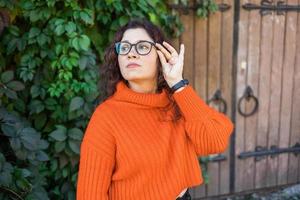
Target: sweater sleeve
(97, 160)
(208, 129)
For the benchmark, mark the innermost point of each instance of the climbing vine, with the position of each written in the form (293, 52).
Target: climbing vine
(50, 52)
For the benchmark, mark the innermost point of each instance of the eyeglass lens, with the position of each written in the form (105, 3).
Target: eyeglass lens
(141, 48)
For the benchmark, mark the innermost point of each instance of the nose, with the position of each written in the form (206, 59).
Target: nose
(132, 53)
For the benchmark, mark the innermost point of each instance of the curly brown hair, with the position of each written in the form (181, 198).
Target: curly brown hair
(110, 73)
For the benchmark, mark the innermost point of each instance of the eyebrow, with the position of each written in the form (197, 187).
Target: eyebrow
(136, 41)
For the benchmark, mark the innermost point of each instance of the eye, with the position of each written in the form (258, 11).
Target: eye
(144, 46)
(124, 47)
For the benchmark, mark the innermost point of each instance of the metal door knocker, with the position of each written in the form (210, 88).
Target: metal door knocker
(217, 97)
(248, 95)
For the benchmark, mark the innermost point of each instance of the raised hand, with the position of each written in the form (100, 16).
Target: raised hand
(172, 63)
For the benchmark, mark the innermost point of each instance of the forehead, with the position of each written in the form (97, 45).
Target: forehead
(135, 34)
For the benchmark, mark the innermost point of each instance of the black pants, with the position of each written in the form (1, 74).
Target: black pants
(185, 196)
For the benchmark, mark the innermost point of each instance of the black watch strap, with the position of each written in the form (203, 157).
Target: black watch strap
(180, 84)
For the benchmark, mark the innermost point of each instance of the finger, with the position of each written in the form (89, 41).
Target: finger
(170, 48)
(164, 51)
(161, 57)
(181, 53)
(163, 61)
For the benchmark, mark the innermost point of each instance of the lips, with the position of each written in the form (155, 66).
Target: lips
(132, 65)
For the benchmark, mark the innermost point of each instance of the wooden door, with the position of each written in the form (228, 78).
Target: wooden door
(243, 57)
(268, 62)
(208, 66)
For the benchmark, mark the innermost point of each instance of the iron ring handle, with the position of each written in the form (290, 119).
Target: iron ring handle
(248, 94)
(218, 98)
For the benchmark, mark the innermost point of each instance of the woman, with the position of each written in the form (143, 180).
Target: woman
(143, 140)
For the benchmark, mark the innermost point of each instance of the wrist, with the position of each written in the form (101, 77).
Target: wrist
(172, 83)
(179, 85)
(179, 89)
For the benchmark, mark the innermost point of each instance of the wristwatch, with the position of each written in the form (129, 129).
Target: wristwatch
(180, 84)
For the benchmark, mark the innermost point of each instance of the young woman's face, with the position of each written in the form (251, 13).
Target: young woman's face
(147, 64)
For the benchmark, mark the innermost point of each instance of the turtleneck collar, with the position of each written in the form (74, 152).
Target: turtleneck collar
(126, 94)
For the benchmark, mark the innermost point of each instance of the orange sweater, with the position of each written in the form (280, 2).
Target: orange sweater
(128, 152)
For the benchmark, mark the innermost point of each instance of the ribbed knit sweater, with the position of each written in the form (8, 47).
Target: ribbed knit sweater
(132, 150)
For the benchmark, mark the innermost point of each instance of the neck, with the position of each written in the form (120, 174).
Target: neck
(147, 87)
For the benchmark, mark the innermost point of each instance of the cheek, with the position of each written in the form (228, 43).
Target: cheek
(121, 61)
(152, 60)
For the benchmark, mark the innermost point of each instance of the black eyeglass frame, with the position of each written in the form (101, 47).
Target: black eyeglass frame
(135, 46)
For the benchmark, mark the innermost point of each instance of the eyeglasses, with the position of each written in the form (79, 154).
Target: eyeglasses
(142, 47)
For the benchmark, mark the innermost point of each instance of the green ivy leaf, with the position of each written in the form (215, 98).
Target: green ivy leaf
(14, 30)
(74, 54)
(10, 94)
(16, 85)
(35, 91)
(54, 165)
(84, 42)
(26, 74)
(59, 30)
(7, 76)
(75, 133)
(65, 172)
(59, 146)
(34, 31)
(74, 146)
(12, 45)
(27, 5)
(123, 20)
(50, 103)
(15, 143)
(43, 144)
(20, 105)
(42, 39)
(36, 106)
(51, 3)
(5, 178)
(8, 130)
(75, 43)
(30, 138)
(40, 120)
(60, 134)
(70, 27)
(25, 173)
(87, 16)
(23, 184)
(76, 103)
(83, 61)
(42, 156)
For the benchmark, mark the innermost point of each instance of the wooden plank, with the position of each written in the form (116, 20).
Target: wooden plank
(175, 41)
(226, 86)
(294, 161)
(188, 40)
(297, 83)
(252, 81)
(200, 60)
(240, 87)
(275, 96)
(214, 78)
(287, 92)
(263, 97)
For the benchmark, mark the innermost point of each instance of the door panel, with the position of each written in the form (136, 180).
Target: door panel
(242, 57)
